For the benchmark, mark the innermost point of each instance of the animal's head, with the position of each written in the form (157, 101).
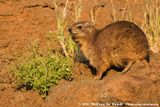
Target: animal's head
(81, 30)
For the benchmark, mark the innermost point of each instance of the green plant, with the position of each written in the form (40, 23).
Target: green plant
(41, 72)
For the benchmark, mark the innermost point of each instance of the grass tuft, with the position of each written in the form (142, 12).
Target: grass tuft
(151, 24)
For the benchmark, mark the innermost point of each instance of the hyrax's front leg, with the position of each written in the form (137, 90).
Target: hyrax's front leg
(100, 70)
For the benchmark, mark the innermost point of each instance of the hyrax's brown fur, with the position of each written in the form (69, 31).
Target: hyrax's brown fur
(119, 44)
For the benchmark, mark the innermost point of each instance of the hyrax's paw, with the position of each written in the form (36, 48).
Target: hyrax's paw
(98, 77)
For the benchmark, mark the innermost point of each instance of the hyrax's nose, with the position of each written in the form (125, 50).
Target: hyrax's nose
(70, 30)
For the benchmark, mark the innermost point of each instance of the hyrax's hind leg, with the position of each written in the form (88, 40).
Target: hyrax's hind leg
(130, 63)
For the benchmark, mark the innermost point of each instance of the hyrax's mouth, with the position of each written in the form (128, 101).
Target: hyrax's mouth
(74, 37)
(73, 34)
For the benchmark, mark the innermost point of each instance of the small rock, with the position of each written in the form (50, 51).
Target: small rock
(4, 44)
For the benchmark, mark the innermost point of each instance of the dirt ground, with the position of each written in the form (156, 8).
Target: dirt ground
(23, 21)
(140, 85)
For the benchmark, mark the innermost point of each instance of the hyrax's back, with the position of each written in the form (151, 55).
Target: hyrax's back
(123, 42)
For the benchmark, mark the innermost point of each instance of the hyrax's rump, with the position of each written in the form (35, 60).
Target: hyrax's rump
(119, 44)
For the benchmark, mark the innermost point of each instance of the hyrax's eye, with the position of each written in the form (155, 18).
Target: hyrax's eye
(79, 27)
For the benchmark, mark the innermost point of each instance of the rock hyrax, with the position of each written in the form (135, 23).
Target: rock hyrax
(119, 44)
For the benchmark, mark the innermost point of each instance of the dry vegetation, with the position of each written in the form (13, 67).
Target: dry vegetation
(151, 20)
